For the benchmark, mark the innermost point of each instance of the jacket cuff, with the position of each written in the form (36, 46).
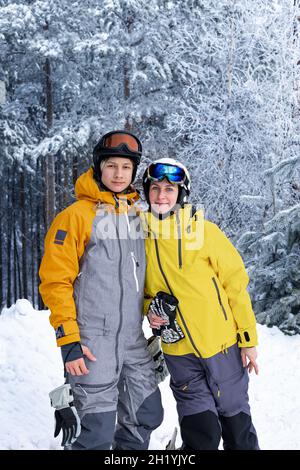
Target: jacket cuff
(67, 332)
(247, 337)
(71, 352)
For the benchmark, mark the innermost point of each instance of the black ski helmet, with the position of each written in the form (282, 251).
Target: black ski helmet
(184, 187)
(117, 144)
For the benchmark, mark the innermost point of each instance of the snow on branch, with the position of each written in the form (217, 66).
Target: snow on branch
(68, 136)
(253, 199)
(289, 164)
(284, 217)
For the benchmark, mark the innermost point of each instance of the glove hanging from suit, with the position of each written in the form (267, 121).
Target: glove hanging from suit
(65, 415)
(160, 367)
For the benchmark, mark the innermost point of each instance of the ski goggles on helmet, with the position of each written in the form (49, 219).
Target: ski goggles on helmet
(116, 140)
(159, 171)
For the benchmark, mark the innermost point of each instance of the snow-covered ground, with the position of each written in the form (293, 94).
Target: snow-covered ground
(31, 366)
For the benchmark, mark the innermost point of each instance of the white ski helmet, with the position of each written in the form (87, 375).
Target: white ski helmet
(184, 183)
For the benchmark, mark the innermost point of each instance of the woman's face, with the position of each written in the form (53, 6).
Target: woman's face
(163, 196)
(117, 174)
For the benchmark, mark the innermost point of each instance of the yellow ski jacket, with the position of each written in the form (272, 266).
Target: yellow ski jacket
(192, 259)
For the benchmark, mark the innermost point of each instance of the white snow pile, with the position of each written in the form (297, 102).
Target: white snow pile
(31, 366)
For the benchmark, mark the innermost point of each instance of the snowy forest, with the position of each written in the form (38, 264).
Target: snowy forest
(212, 83)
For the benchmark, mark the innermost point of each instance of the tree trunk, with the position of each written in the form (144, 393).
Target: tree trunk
(1, 248)
(75, 168)
(32, 216)
(17, 272)
(272, 182)
(40, 223)
(16, 265)
(68, 161)
(50, 160)
(127, 125)
(129, 25)
(24, 293)
(9, 237)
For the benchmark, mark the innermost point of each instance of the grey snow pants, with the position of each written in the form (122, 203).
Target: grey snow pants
(118, 402)
(212, 401)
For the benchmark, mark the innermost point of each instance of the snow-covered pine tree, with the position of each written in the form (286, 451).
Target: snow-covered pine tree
(72, 72)
(235, 63)
(273, 263)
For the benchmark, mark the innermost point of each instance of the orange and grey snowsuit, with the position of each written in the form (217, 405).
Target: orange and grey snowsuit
(193, 260)
(92, 279)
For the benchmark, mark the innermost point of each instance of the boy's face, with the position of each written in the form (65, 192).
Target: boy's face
(117, 173)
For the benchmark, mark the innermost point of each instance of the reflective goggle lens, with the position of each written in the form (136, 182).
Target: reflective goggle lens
(159, 171)
(115, 140)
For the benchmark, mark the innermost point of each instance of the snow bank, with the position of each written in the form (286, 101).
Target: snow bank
(30, 366)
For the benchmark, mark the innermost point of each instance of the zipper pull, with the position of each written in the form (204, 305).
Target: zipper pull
(135, 265)
(136, 261)
(81, 388)
(116, 201)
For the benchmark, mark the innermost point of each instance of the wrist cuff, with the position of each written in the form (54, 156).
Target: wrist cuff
(71, 352)
(247, 337)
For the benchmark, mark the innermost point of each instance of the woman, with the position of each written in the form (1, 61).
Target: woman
(92, 279)
(193, 270)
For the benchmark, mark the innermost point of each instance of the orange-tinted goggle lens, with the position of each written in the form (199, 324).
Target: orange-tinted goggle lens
(114, 140)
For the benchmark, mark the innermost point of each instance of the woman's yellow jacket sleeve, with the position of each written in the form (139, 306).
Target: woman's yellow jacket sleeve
(229, 267)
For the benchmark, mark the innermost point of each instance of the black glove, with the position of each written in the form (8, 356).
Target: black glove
(160, 367)
(66, 416)
(164, 305)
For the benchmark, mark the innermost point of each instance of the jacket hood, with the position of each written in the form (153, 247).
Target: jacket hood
(86, 188)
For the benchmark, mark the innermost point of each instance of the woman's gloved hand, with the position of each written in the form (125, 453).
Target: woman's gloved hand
(162, 313)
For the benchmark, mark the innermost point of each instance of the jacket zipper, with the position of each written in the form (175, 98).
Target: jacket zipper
(120, 304)
(90, 387)
(134, 260)
(219, 297)
(179, 241)
(135, 265)
(171, 292)
(181, 316)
